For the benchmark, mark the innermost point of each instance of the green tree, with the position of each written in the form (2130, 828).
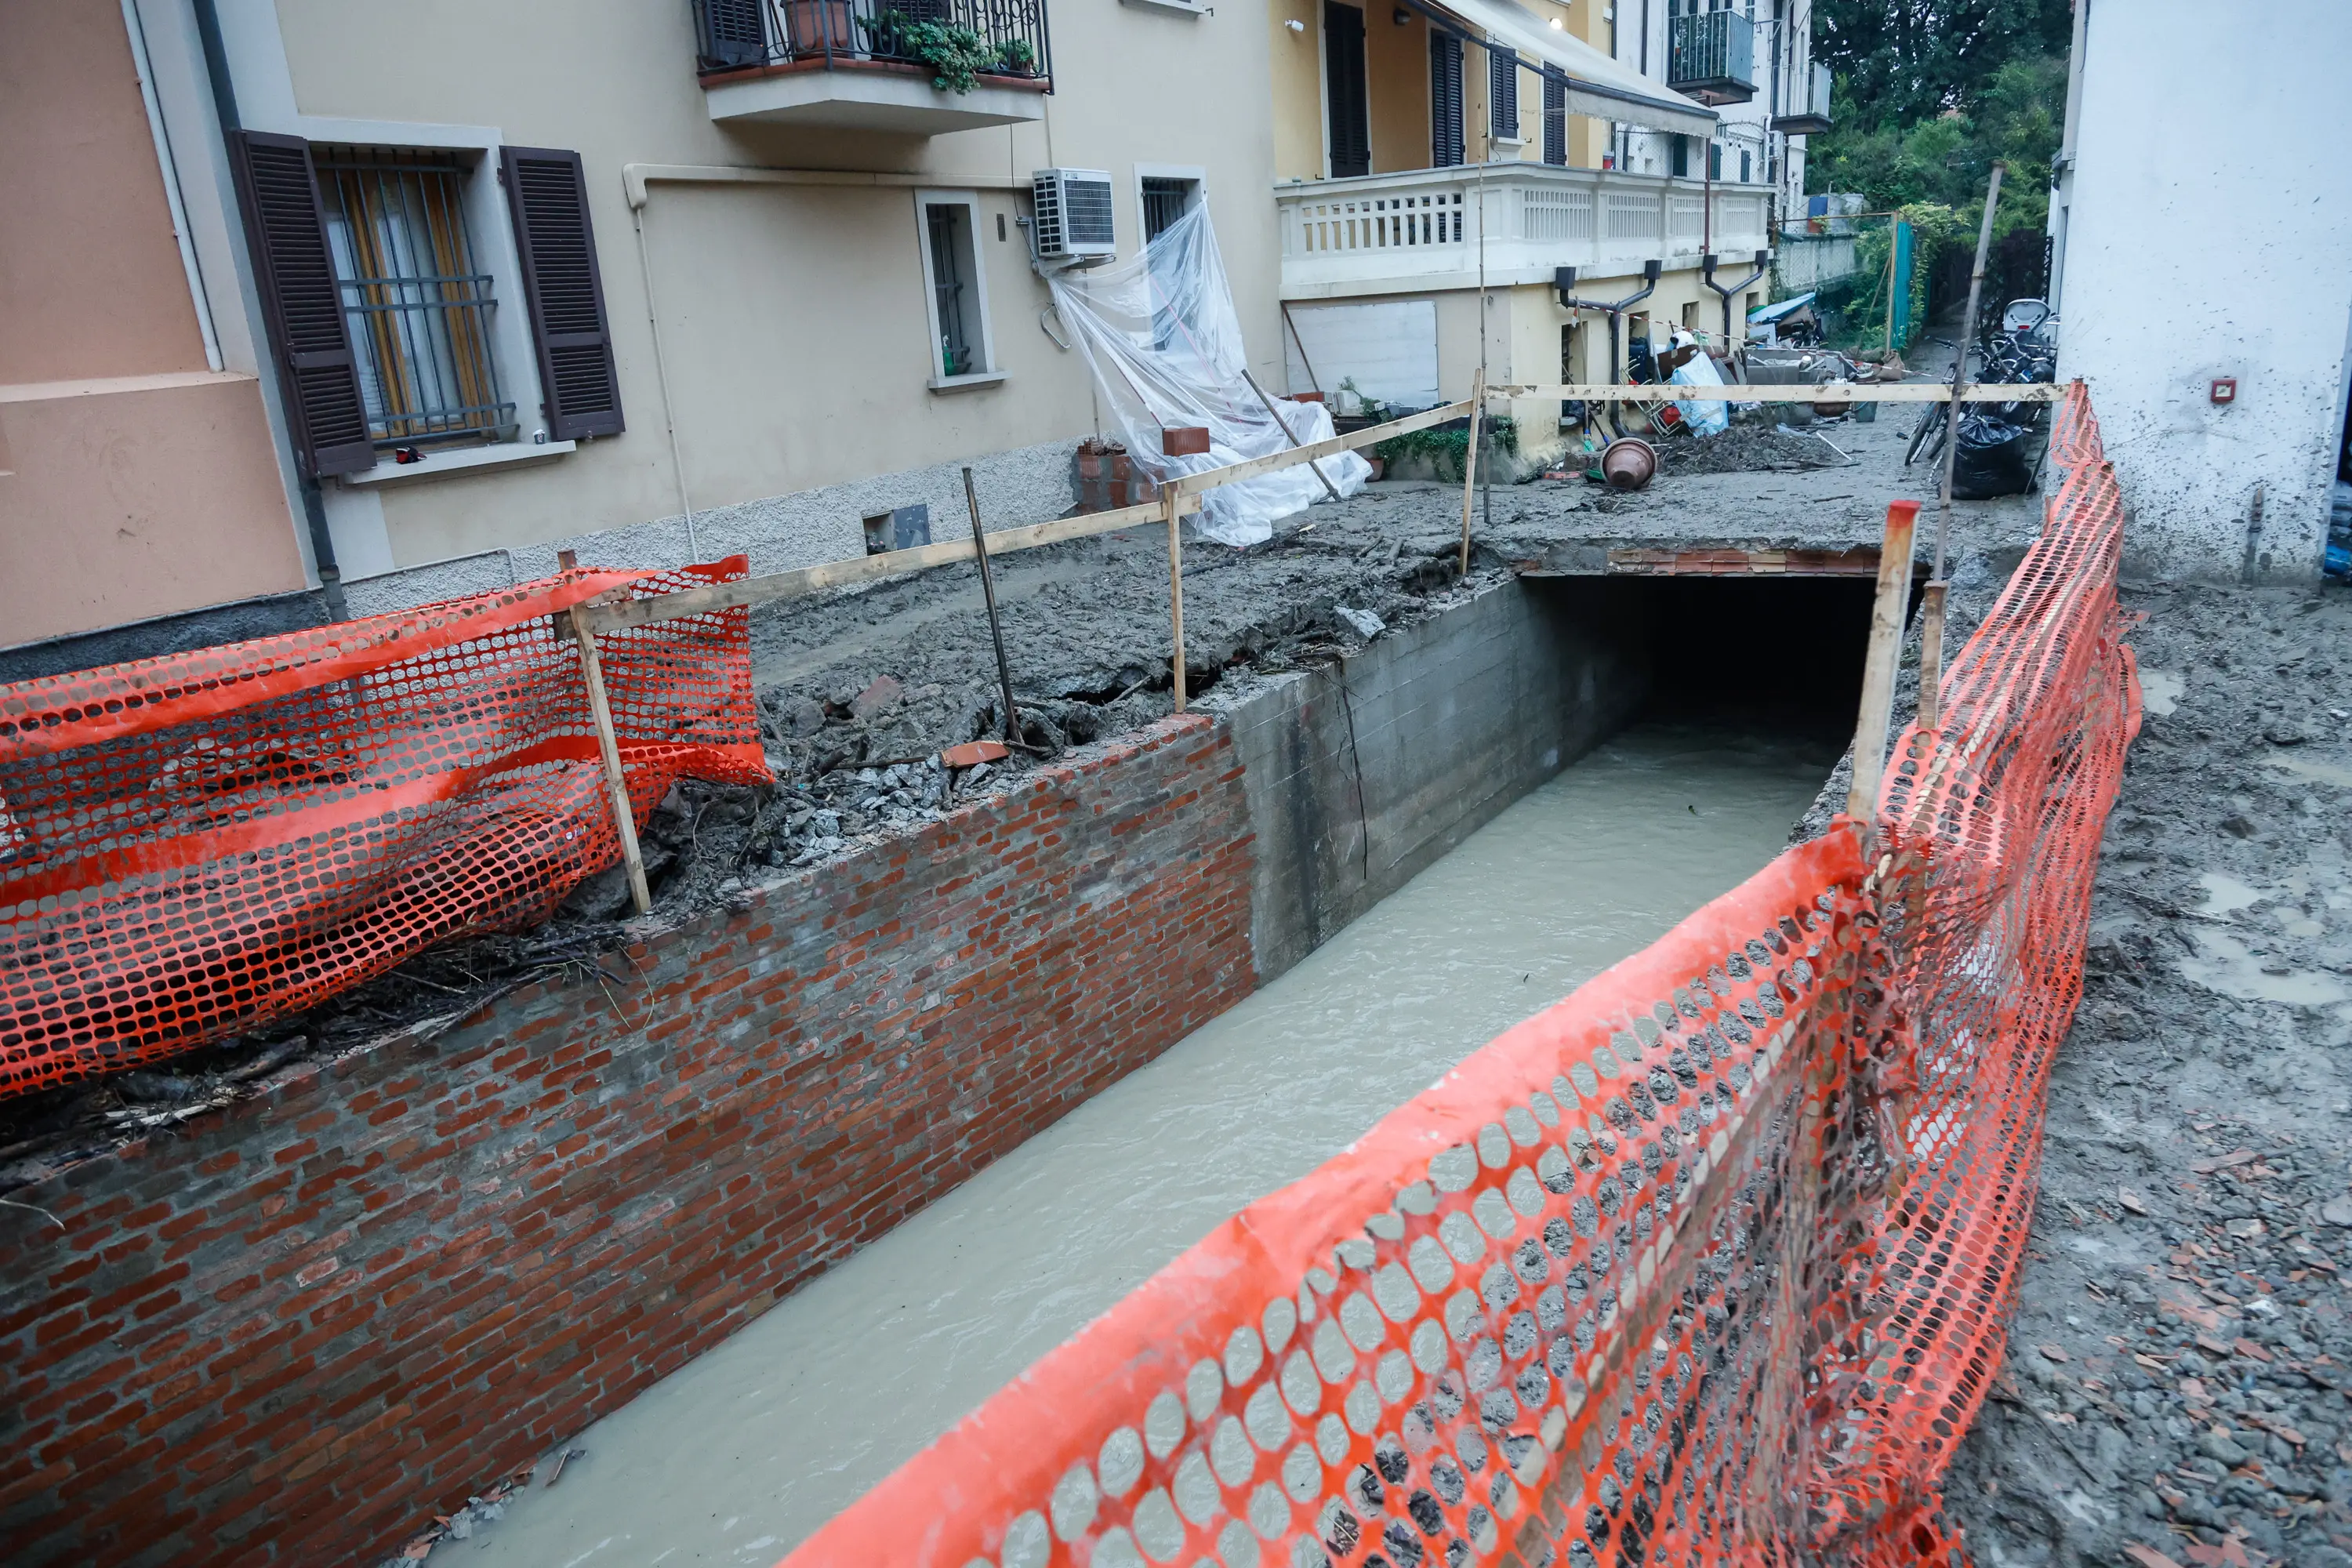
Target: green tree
(1905, 61)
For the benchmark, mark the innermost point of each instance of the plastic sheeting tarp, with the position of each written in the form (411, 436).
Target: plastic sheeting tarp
(1704, 418)
(1163, 341)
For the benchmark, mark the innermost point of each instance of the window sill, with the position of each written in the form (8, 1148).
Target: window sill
(462, 460)
(1508, 141)
(1183, 7)
(944, 385)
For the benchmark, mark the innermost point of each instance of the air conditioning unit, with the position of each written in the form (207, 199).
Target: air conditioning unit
(1074, 214)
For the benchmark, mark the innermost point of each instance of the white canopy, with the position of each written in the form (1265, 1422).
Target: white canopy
(1597, 85)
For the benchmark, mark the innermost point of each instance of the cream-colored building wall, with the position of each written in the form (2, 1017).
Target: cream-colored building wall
(792, 319)
(1294, 77)
(1396, 75)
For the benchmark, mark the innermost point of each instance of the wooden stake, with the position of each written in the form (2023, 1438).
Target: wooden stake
(1284, 426)
(608, 741)
(996, 631)
(1878, 668)
(1470, 462)
(1168, 501)
(1931, 655)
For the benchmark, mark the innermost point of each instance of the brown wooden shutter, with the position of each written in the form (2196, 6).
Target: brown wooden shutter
(549, 198)
(295, 273)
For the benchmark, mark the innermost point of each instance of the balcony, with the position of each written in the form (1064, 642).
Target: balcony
(874, 65)
(1809, 113)
(1385, 234)
(1712, 58)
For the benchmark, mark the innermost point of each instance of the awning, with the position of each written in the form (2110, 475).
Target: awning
(1597, 85)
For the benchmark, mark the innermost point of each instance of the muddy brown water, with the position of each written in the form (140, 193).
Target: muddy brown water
(738, 1457)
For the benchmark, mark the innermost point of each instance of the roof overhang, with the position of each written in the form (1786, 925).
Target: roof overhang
(1596, 84)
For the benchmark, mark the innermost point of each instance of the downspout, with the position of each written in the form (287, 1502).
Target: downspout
(1763, 260)
(314, 506)
(1564, 279)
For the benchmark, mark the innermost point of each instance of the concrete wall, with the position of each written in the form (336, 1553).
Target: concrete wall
(137, 475)
(792, 317)
(1362, 774)
(2210, 190)
(292, 1331)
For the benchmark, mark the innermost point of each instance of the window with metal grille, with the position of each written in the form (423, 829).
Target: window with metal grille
(1164, 201)
(417, 302)
(949, 228)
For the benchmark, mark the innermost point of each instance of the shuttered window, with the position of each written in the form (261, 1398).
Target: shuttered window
(1502, 94)
(1445, 133)
(547, 196)
(1555, 116)
(301, 302)
(1344, 90)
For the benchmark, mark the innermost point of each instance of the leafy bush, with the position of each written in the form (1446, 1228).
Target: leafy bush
(956, 54)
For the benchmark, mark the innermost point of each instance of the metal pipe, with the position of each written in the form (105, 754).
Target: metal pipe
(1564, 279)
(305, 484)
(1763, 261)
(1284, 426)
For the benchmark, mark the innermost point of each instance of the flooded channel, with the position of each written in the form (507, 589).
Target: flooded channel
(740, 1454)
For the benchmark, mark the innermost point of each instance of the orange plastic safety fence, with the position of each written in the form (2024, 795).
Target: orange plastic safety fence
(1990, 828)
(1704, 1264)
(194, 845)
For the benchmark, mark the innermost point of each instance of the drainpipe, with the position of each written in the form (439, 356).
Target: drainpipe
(314, 506)
(1564, 279)
(1763, 260)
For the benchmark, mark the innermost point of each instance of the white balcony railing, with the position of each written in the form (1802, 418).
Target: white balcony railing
(1378, 234)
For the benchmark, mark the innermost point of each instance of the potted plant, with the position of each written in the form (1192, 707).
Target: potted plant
(1016, 56)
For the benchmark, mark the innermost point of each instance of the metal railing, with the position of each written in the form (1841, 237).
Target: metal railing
(418, 306)
(1717, 49)
(1006, 39)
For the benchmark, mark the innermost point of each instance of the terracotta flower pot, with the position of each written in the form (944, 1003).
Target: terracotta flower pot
(813, 24)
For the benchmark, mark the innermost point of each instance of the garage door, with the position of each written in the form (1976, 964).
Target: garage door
(1385, 350)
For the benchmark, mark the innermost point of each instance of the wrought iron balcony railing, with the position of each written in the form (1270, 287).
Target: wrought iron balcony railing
(951, 39)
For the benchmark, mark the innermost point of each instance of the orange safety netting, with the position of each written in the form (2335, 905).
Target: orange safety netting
(1705, 1263)
(193, 846)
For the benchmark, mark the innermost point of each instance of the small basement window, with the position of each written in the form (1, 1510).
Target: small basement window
(961, 351)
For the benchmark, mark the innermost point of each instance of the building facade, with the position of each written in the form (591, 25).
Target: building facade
(1440, 164)
(319, 315)
(2226, 414)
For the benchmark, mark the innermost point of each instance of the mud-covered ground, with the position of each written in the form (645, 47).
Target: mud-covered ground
(2179, 1359)
(859, 692)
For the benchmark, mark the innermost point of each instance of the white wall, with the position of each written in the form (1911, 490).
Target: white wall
(2210, 235)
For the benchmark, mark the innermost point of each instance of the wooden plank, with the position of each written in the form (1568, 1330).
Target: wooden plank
(1878, 665)
(1175, 589)
(806, 580)
(1931, 655)
(1370, 436)
(1470, 460)
(1835, 392)
(608, 744)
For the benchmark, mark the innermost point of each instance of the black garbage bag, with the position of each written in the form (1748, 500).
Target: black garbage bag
(1992, 460)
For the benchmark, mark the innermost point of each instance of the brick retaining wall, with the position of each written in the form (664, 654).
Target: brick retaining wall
(287, 1335)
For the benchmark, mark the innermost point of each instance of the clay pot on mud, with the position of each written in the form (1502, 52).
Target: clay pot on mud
(1628, 463)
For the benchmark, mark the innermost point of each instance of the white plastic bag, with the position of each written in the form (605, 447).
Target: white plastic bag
(1164, 343)
(1704, 418)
